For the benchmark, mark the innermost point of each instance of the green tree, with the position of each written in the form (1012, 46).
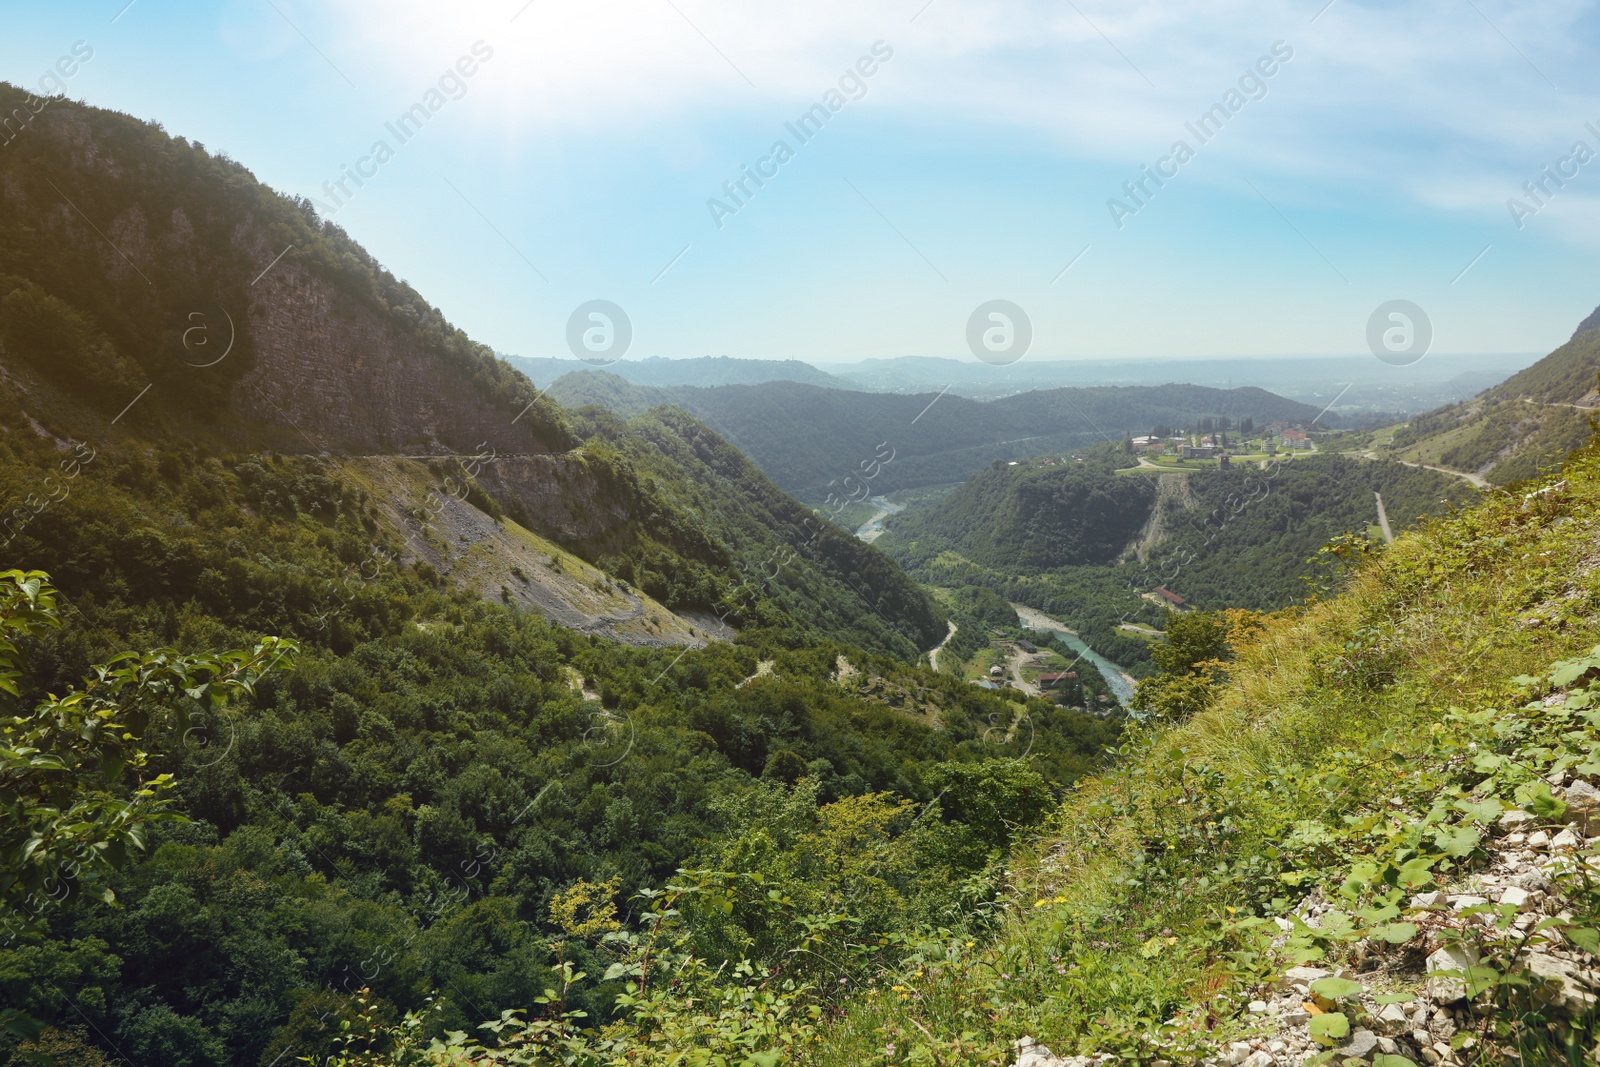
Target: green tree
(74, 769)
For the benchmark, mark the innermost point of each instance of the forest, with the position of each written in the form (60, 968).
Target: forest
(399, 806)
(1060, 538)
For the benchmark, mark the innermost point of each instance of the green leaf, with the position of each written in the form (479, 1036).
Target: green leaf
(1335, 988)
(1383, 1059)
(1585, 938)
(1537, 798)
(1394, 998)
(1397, 934)
(1457, 842)
(1330, 1028)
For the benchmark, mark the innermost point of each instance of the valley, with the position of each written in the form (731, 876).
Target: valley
(373, 699)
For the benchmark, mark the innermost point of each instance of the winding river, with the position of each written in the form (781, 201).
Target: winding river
(1121, 681)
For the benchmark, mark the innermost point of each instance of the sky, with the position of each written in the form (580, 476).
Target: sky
(983, 158)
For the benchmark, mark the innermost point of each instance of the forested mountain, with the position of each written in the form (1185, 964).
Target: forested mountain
(229, 315)
(701, 371)
(1088, 544)
(543, 656)
(1526, 424)
(813, 441)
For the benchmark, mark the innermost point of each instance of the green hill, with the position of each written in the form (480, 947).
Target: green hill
(1524, 425)
(541, 651)
(703, 371)
(816, 442)
(1087, 544)
(194, 328)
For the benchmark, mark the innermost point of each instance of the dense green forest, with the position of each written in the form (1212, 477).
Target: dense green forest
(397, 807)
(832, 445)
(1062, 538)
(77, 313)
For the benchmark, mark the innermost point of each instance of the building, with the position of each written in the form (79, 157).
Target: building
(1295, 439)
(1199, 451)
(1055, 679)
(1027, 646)
(1169, 598)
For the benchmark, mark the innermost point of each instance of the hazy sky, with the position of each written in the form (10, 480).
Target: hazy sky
(976, 161)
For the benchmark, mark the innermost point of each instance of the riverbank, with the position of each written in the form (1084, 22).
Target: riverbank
(1120, 680)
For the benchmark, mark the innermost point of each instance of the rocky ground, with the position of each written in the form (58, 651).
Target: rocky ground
(1412, 1002)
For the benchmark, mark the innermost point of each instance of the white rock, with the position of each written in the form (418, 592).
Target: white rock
(1450, 958)
(1516, 839)
(1583, 804)
(1259, 1059)
(1388, 1046)
(1460, 902)
(1516, 819)
(1538, 840)
(1558, 982)
(1518, 897)
(1392, 1019)
(1566, 840)
(1359, 1045)
(1258, 1007)
(1427, 900)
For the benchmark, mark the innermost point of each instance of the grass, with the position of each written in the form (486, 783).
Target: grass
(1121, 927)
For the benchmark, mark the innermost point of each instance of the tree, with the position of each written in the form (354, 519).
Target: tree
(74, 781)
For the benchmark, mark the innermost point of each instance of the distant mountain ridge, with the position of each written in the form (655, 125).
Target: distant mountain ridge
(152, 293)
(700, 371)
(810, 440)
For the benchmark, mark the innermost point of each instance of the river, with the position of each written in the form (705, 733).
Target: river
(1121, 681)
(870, 530)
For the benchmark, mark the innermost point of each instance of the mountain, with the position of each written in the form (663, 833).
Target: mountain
(1526, 424)
(700, 371)
(1356, 387)
(1088, 542)
(154, 292)
(815, 442)
(540, 656)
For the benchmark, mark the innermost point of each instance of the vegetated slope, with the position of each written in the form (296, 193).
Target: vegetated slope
(700, 371)
(1357, 753)
(145, 299)
(1524, 425)
(1071, 541)
(813, 441)
(398, 807)
(130, 258)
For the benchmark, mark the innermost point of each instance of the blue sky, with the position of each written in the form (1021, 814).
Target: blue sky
(578, 160)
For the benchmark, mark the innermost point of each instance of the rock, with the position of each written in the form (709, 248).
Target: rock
(1359, 1045)
(1388, 1046)
(1259, 1059)
(1445, 988)
(1296, 1018)
(1538, 839)
(1300, 978)
(1566, 841)
(1460, 902)
(1442, 1026)
(1237, 1053)
(1427, 900)
(1516, 839)
(1516, 819)
(1557, 982)
(1258, 1007)
(1583, 805)
(1032, 1054)
(1517, 897)
(1392, 1019)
